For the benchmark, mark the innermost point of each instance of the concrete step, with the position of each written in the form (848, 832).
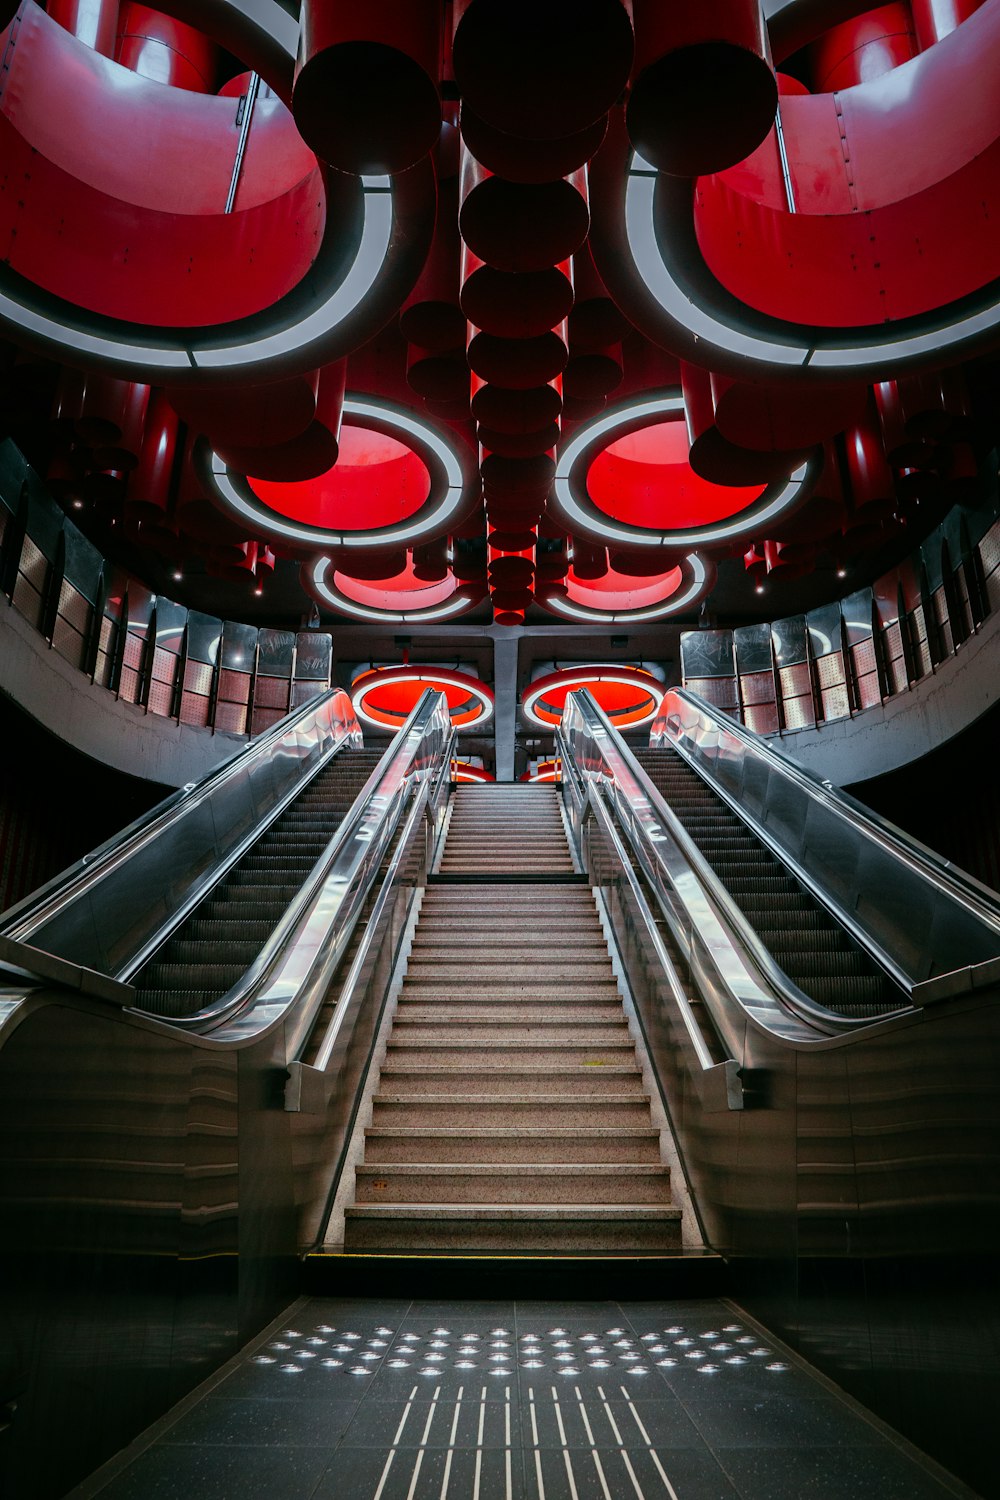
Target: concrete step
(405, 1075)
(548, 969)
(440, 944)
(509, 1144)
(474, 987)
(472, 1055)
(512, 1183)
(487, 1034)
(537, 1110)
(560, 1012)
(511, 1227)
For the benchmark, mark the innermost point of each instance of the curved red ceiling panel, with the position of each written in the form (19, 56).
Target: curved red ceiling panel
(376, 481)
(122, 187)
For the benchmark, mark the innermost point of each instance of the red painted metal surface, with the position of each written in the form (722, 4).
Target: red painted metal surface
(863, 49)
(121, 189)
(934, 19)
(165, 50)
(365, 96)
(376, 481)
(645, 479)
(93, 22)
(703, 93)
(893, 218)
(260, 414)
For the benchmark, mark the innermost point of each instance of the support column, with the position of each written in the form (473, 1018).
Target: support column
(505, 647)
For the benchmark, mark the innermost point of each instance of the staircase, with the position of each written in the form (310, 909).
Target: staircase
(811, 948)
(509, 1115)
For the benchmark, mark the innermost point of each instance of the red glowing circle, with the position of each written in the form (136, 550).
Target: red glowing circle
(386, 696)
(644, 479)
(628, 695)
(377, 481)
(618, 591)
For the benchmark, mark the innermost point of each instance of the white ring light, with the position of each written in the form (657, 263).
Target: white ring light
(943, 343)
(432, 518)
(701, 579)
(439, 677)
(586, 520)
(319, 583)
(583, 676)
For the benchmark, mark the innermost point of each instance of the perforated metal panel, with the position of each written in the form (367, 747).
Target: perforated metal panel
(762, 718)
(720, 691)
(195, 709)
(756, 688)
(231, 717)
(271, 693)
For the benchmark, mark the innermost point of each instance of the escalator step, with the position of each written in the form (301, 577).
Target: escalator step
(217, 977)
(254, 928)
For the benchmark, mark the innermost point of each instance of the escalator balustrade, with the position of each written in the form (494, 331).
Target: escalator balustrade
(805, 941)
(216, 944)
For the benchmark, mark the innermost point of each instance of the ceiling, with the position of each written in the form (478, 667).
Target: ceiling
(571, 325)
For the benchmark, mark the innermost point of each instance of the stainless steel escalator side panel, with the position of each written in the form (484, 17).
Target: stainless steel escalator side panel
(108, 911)
(292, 973)
(916, 914)
(732, 970)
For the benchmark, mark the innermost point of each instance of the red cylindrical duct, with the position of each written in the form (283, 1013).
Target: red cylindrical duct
(109, 409)
(863, 49)
(250, 415)
(371, 566)
(149, 484)
(647, 367)
(123, 452)
(94, 22)
(520, 444)
(518, 226)
(515, 411)
(430, 562)
(642, 562)
(593, 376)
(786, 561)
(314, 451)
(903, 448)
(520, 160)
(527, 477)
(240, 564)
(711, 455)
(551, 567)
(508, 599)
(511, 541)
(541, 70)
(935, 406)
(508, 617)
(438, 377)
(518, 364)
(589, 561)
(703, 94)
(365, 96)
(755, 561)
(595, 322)
(167, 51)
(934, 19)
(431, 317)
(514, 305)
(196, 516)
(577, 410)
(265, 561)
(517, 513)
(824, 510)
(765, 418)
(511, 569)
(872, 492)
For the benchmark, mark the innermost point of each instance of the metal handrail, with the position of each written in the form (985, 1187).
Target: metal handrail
(300, 957)
(914, 912)
(107, 911)
(730, 965)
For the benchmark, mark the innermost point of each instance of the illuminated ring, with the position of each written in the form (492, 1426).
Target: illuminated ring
(586, 677)
(318, 580)
(461, 770)
(548, 770)
(462, 717)
(330, 311)
(581, 516)
(452, 480)
(698, 579)
(695, 315)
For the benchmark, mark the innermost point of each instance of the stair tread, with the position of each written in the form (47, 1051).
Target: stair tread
(605, 1211)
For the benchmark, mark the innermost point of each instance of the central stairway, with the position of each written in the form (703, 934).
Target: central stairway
(510, 1114)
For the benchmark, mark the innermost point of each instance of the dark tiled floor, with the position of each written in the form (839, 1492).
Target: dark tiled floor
(499, 1401)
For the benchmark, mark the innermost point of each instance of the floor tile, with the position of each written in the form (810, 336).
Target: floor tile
(219, 1473)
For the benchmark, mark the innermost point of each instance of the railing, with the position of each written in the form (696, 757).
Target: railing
(302, 955)
(918, 916)
(109, 910)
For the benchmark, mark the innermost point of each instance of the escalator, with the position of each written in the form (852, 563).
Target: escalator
(807, 943)
(214, 947)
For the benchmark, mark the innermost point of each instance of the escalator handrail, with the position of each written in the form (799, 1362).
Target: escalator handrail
(308, 943)
(689, 891)
(954, 895)
(319, 728)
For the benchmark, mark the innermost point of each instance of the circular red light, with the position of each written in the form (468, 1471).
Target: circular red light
(644, 479)
(377, 481)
